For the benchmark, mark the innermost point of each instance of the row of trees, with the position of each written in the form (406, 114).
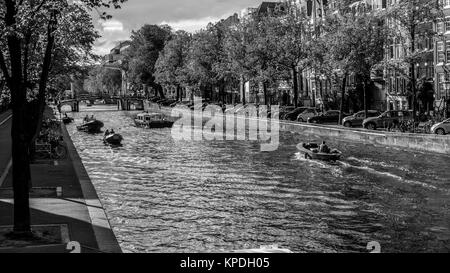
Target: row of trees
(277, 46)
(102, 81)
(280, 46)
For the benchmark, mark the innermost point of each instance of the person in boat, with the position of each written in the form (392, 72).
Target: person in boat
(111, 132)
(106, 133)
(86, 118)
(92, 117)
(323, 148)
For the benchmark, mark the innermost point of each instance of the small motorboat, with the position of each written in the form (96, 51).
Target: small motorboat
(113, 139)
(152, 120)
(311, 151)
(92, 126)
(67, 120)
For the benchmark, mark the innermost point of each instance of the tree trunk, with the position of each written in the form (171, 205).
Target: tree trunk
(21, 170)
(223, 93)
(295, 85)
(243, 90)
(160, 90)
(178, 92)
(221, 97)
(26, 118)
(413, 90)
(20, 156)
(265, 93)
(36, 123)
(313, 96)
(344, 83)
(366, 111)
(413, 74)
(301, 82)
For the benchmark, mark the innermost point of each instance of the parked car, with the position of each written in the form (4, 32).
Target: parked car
(161, 101)
(308, 113)
(388, 119)
(441, 128)
(155, 99)
(198, 106)
(237, 108)
(284, 110)
(292, 115)
(180, 103)
(241, 109)
(331, 116)
(167, 102)
(357, 119)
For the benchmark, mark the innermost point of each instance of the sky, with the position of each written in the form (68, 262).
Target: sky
(189, 15)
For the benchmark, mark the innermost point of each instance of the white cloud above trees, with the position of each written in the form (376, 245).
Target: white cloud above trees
(189, 15)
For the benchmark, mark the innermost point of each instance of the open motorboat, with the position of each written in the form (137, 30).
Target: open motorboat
(311, 151)
(153, 120)
(91, 126)
(113, 139)
(67, 120)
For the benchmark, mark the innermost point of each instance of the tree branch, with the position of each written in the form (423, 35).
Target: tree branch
(26, 56)
(4, 68)
(44, 76)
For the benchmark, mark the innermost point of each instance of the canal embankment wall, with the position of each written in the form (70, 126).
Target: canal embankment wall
(419, 142)
(104, 235)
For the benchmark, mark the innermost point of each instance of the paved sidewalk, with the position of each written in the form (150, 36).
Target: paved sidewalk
(48, 207)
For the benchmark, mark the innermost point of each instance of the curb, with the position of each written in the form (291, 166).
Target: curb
(106, 240)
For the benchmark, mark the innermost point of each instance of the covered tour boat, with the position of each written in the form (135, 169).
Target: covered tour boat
(311, 151)
(152, 120)
(92, 126)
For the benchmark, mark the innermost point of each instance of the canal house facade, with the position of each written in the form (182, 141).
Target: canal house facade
(442, 57)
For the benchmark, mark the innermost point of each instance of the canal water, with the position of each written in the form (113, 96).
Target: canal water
(163, 195)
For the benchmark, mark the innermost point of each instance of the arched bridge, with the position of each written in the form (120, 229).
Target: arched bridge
(73, 103)
(123, 103)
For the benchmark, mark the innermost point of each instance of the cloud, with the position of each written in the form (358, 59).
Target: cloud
(189, 15)
(112, 31)
(111, 25)
(191, 25)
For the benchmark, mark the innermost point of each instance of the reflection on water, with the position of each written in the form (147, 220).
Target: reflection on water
(163, 195)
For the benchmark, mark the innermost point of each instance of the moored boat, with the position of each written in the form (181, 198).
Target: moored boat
(92, 126)
(152, 120)
(67, 120)
(311, 151)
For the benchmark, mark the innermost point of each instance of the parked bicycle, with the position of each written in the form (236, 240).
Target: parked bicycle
(54, 149)
(50, 145)
(51, 124)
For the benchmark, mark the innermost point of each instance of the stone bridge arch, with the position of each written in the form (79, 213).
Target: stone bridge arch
(74, 105)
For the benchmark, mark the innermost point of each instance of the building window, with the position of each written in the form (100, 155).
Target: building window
(440, 27)
(447, 24)
(440, 52)
(448, 50)
(443, 86)
(445, 3)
